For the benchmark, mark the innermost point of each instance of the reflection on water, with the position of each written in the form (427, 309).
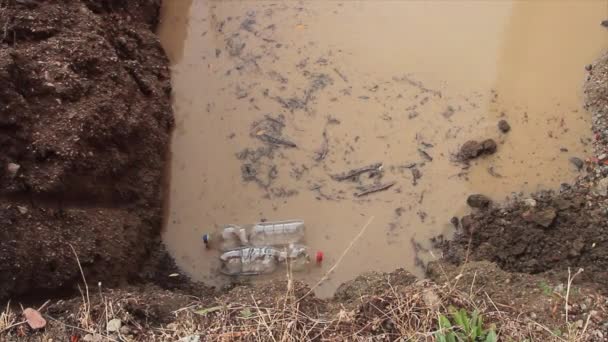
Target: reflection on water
(272, 99)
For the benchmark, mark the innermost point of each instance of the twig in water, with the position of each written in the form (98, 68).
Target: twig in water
(339, 259)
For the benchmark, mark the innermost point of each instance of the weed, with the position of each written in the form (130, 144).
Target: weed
(464, 328)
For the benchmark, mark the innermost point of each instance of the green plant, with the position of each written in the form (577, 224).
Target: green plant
(464, 328)
(547, 290)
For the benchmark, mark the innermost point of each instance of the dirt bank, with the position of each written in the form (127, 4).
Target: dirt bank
(550, 232)
(85, 117)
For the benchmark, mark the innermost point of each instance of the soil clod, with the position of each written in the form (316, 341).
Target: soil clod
(473, 149)
(479, 201)
(504, 126)
(543, 217)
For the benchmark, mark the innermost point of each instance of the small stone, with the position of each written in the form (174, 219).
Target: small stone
(530, 202)
(578, 162)
(34, 319)
(478, 201)
(544, 217)
(583, 307)
(504, 126)
(602, 156)
(93, 338)
(114, 325)
(191, 338)
(588, 67)
(604, 23)
(579, 324)
(454, 221)
(124, 330)
(22, 209)
(602, 187)
(12, 169)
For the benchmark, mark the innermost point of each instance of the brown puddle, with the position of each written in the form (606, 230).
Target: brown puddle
(357, 83)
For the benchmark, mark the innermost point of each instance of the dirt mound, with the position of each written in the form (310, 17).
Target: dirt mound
(84, 126)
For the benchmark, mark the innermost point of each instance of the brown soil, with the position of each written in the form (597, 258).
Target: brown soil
(84, 126)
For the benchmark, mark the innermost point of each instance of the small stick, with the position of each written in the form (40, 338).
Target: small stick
(339, 259)
(355, 172)
(374, 188)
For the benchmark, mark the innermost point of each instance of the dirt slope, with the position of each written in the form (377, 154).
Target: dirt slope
(552, 231)
(84, 125)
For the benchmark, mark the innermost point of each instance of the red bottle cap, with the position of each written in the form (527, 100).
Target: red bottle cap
(319, 257)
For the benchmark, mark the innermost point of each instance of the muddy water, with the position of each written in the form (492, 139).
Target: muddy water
(355, 83)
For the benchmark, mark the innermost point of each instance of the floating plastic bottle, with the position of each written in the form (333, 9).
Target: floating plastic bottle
(263, 260)
(276, 233)
(279, 233)
(231, 237)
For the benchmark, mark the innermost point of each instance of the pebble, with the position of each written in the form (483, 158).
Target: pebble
(602, 156)
(602, 187)
(579, 324)
(191, 338)
(124, 330)
(588, 67)
(34, 319)
(114, 325)
(12, 169)
(543, 217)
(93, 338)
(530, 202)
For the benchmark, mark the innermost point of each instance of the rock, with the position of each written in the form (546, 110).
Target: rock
(602, 156)
(12, 169)
(578, 162)
(454, 221)
(530, 202)
(470, 149)
(93, 338)
(579, 324)
(431, 299)
(22, 209)
(588, 67)
(544, 217)
(489, 146)
(604, 23)
(478, 201)
(504, 126)
(191, 338)
(114, 325)
(124, 330)
(34, 319)
(602, 187)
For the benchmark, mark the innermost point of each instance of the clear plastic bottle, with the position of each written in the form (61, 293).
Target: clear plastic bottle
(263, 260)
(250, 261)
(231, 236)
(276, 233)
(279, 233)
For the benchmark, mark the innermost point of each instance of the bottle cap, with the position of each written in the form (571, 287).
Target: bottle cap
(319, 257)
